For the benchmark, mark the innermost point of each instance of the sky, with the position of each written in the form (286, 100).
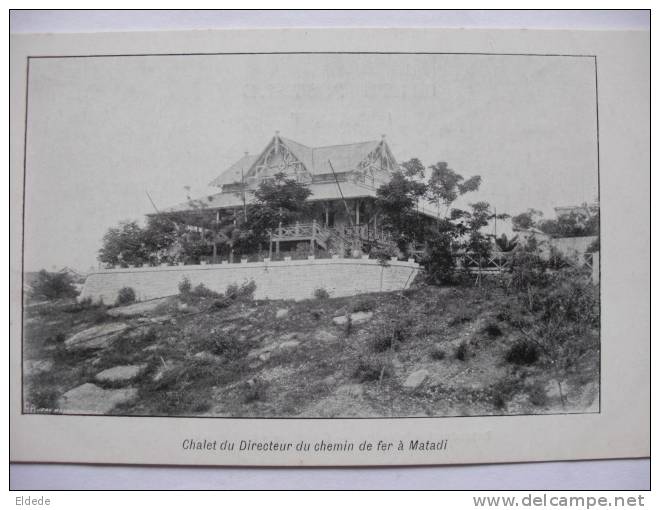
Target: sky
(102, 132)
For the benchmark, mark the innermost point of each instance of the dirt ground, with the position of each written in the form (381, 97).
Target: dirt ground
(428, 351)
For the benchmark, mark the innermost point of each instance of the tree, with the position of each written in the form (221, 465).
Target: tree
(445, 185)
(124, 245)
(526, 220)
(279, 200)
(572, 224)
(397, 202)
(505, 244)
(413, 169)
(53, 285)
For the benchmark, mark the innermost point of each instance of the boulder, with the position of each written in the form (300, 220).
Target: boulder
(325, 336)
(140, 308)
(257, 353)
(121, 373)
(90, 399)
(356, 318)
(288, 336)
(281, 313)
(289, 344)
(96, 337)
(350, 390)
(36, 366)
(416, 379)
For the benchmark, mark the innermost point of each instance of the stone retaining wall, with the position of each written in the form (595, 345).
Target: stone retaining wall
(289, 279)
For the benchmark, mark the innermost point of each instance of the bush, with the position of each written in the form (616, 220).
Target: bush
(244, 292)
(370, 369)
(202, 291)
(185, 286)
(523, 352)
(364, 304)
(321, 293)
(384, 253)
(125, 296)
(537, 394)
(461, 352)
(254, 390)
(53, 286)
(390, 335)
(502, 391)
(437, 354)
(493, 330)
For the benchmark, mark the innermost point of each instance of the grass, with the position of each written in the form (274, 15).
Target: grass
(200, 363)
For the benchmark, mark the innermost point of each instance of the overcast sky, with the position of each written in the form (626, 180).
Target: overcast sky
(103, 131)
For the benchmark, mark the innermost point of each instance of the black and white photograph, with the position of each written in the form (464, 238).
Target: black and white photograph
(311, 235)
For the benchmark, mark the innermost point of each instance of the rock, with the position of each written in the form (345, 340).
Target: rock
(416, 379)
(288, 336)
(281, 313)
(552, 389)
(96, 337)
(207, 356)
(162, 370)
(325, 336)
(229, 328)
(356, 318)
(160, 318)
(350, 390)
(329, 381)
(36, 366)
(264, 356)
(90, 399)
(256, 353)
(186, 308)
(136, 308)
(120, 373)
(290, 344)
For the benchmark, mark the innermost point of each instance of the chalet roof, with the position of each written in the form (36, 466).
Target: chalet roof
(320, 191)
(344, 158)
(233, 173)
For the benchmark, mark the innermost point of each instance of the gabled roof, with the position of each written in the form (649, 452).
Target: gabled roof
(233, 173)
(344, 158)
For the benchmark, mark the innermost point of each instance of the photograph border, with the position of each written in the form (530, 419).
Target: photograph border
(144, 55)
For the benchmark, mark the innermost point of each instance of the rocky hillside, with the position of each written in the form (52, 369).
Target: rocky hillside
(428, 351)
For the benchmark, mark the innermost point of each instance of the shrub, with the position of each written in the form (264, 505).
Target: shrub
(493, 330)
(364, 304)
(185, 286)
(53, 286)
(125, 296)
(244, 292)
(80, 306)
(461, 352)
(202, 291)
(502, 391)
(390, 334)
(460, 319)
(370, 369)
(384, 253)
(254, 390)
(523, 352)
(437, 353)
(537, 394)
(321, 293)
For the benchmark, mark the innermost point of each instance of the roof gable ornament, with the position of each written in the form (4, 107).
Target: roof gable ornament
(276, 158)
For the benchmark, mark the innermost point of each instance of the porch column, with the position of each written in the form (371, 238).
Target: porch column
(277, 243)
(357, 212)
(327, 213)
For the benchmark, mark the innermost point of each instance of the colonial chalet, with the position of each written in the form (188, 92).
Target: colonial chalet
(343, 180)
